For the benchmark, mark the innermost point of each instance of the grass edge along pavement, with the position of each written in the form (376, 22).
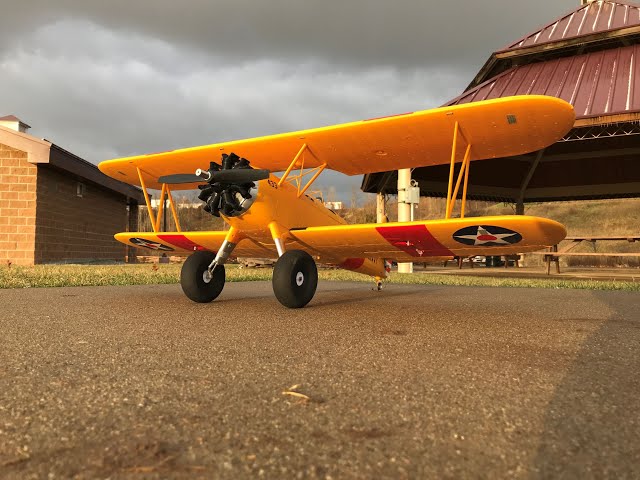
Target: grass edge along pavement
(153, 274)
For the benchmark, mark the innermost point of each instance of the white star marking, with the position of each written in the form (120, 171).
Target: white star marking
(494, 237)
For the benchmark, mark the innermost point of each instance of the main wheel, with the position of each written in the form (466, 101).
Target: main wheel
(295, 279)
(196, 282)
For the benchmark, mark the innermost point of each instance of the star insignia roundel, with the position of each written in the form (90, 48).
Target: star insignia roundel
(486, 236)
(150, 244)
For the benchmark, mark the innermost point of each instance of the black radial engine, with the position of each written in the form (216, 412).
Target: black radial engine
(230, 186)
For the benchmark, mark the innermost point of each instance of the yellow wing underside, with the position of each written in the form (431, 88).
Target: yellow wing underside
(494, 128)
(406, 241)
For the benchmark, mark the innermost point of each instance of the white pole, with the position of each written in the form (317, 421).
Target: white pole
(404, 209)
(381, 209)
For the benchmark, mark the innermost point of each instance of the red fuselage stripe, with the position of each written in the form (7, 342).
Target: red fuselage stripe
(180, 241)
(416, 240)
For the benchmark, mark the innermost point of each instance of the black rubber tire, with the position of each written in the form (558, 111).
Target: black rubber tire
(192, 281)
(286, 276)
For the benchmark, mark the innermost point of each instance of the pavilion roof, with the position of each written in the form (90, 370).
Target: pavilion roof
(605, 82)
(596, 17)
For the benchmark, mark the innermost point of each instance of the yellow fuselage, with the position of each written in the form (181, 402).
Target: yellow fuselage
(282, 202)
(281, 207)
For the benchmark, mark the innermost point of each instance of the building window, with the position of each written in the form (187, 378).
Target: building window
(80, 189)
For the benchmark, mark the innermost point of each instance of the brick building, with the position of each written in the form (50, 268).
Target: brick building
(57, 207)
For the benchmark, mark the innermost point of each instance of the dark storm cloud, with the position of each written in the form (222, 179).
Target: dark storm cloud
(121, 90)
(404, 33)
(108, 79)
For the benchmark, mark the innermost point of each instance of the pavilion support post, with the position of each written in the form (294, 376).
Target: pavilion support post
(525, 182)
(523, 188)
(381, 208)
(404, 210)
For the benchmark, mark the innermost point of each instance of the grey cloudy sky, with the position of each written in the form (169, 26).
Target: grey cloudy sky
(105, 79)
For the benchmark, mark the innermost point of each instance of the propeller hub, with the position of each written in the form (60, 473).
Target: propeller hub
(204, 174)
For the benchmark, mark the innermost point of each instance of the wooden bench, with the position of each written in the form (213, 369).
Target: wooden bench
(553, 255)
(507, 258)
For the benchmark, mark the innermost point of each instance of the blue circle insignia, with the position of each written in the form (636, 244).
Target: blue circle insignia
(486, 236)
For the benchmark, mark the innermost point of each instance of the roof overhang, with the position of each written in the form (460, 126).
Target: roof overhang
(66, 161)
(44, 153)
(37, 150)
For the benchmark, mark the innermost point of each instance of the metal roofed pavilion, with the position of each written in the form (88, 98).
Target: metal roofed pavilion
(590, 58)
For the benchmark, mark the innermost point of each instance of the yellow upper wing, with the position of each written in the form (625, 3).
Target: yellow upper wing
(495, 128)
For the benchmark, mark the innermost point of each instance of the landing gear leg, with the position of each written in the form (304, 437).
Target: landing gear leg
(295, 279)
(378, 286)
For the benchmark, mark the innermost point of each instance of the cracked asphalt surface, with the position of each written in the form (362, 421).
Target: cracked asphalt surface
(412, 382)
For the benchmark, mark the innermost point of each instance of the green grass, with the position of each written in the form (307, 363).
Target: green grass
(84, 275)
(469, 281)
(153, 274)
(95, 275)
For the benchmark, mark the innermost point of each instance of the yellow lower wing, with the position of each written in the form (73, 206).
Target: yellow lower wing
(411, 241)
(189, 242)
(494, 128)
(406, 241)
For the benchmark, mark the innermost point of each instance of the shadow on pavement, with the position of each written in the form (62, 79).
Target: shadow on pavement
(592, 424)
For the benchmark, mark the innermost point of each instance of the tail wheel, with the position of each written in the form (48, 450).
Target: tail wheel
(295, 279)
(196, 281)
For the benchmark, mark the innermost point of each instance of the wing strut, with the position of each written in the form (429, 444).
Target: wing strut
(174, 212)
(464, 172)
(166, 190)
(160, 207)
(298, 162)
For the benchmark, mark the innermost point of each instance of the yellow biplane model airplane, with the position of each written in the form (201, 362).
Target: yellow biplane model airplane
(270, 216)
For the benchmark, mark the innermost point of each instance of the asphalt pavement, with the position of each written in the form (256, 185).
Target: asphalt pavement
(410, 382)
